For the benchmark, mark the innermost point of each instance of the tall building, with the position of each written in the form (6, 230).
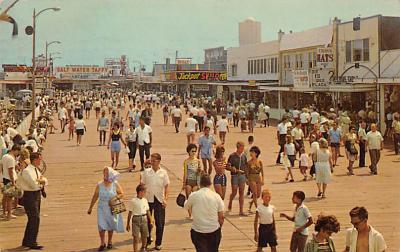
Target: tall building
(249, 32)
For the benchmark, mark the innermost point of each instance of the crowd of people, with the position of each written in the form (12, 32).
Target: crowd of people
(124, 121)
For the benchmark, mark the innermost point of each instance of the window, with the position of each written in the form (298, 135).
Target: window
(365, 49)
(268, 65)
(248, 67)
(299, 61)
(265, 66)
(357, 50)
(258, 66)
(251, 66)
(286, 61)
(348, 51)
(312, 59)
(234, 70)
(276, 65)
(261, 66)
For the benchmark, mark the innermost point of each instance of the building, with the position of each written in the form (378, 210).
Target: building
(215, 58)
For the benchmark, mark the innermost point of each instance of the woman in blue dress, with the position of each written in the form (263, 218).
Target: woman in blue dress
(106, 221)
(114, 144)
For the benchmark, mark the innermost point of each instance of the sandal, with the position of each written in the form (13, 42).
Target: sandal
(319, 194)
(109, 246)
(102, 248)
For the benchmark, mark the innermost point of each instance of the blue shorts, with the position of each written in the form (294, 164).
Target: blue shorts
(238, 179)
(206, 155)
(115, 146)
(220, 179)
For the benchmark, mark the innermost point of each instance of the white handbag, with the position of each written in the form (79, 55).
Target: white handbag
(127, 150)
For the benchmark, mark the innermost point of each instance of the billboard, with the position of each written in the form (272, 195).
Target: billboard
(325, 58)
(81, 72)
(183, 61)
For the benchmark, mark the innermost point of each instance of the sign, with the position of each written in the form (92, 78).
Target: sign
(321, 77)
(183, 61)
(252, 82)
(325, 58)
(201, 76)
(81, 69)
(301, 78)
(200, 88)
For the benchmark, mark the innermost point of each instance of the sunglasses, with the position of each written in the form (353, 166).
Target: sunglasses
(357, 223)
(193, 151)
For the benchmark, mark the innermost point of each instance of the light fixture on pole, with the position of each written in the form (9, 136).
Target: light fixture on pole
(31, 30)
(47, 46)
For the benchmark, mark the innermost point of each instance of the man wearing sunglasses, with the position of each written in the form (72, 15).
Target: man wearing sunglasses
(363, 237)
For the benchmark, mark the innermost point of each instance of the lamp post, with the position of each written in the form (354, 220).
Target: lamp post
(35, 15)
(47, 46)
(52, 62)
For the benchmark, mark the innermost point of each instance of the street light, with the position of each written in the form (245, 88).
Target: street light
(32, 30)
(47, 46)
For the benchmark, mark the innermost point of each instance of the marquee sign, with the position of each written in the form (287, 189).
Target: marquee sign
(200, 76)
(324, 57)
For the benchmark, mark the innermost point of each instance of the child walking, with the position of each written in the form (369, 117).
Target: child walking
(290, 151)
(302, 220)
(71, 126)
(304, 159)
(266, 233)
(139, 212)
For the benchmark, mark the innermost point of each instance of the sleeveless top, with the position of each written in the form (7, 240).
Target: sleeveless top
(115, 137)
(192, 167)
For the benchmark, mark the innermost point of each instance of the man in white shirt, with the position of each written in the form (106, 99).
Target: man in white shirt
(9, 178)
(363, 237)
(305, 119)
(62, 116)
(374, 145)
(157, 181)
(143, 140)
(201, 113)
(222, 126)
(191, 127)
(32, 183)
(207, 209)
(177, 117)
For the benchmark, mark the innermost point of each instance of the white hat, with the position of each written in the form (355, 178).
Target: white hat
(331, 110)
(324, 120)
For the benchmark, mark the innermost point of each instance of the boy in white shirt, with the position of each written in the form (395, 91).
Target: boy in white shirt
(266, 233)
(191, 125)
(139, 211)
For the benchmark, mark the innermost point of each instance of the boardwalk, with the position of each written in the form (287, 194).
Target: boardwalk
(74, 171)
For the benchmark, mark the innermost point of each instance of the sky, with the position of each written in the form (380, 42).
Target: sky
(152, 30)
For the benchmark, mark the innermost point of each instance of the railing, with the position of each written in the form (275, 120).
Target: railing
(24, 126)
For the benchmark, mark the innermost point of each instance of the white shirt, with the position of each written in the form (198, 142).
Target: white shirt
(138, 206)
(376, 242)
(362, 134)
(12, 132)
(8, 161)
(28, 178)
(155, 182)
(143, 135)
(176, 112)
(297, 133)
(304, 117)
(32, 143)
(62, 113)
(282, 128)
(2, 143)
(290, 149)
(295, 113)
(222, 125)
(195, 111)
(314, 147)
(79, 124)
(374, 140)
(205, 205)
(191, 125)
(266, 213)
(314, 117)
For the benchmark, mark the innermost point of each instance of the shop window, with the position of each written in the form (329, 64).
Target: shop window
(234, 70)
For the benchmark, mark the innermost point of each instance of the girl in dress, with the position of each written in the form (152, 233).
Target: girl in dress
(290, 151)
(191, 171)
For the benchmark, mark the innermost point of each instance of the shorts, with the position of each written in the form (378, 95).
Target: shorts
(132, 150)
(139, 226)
(238, 179)
(266, 236)
(98, 109)
(298, 242)
(87, 109)
(206, 156)
(220, 179)
(191, 182)
(291, 158)
(115, 146)
(80, 132)
(335, 145)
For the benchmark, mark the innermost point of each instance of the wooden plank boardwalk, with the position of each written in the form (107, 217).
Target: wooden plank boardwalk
(74, 171)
